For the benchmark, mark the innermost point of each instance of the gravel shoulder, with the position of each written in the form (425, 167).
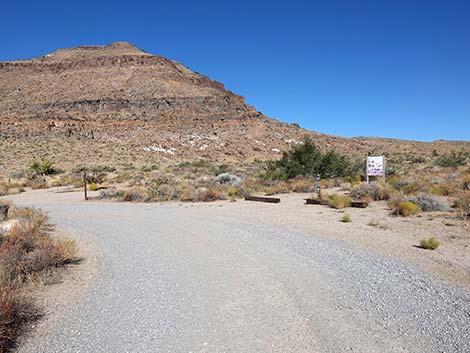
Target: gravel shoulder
(244, 277)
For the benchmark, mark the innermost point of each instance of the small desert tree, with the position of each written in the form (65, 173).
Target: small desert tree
(307, 160)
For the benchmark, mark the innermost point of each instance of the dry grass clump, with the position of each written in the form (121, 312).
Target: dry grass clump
(430, 244)
(407, 208)
(339, 201)
(280, 187)
(303, 185)
(27, 248)
(26, 251)
(7, 188)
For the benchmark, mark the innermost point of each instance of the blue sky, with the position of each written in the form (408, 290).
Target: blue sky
(351, 68)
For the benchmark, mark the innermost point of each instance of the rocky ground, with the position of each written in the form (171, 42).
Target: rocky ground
(242, 276)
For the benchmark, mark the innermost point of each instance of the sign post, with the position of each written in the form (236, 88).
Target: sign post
(318, 187)
(375, 166)
(85, 186)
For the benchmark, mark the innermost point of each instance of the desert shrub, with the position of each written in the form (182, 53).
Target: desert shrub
(346, 218)
(428, 203)
(395, 201)
(430, 244)
(448, 187)
(159, 192)
(149, 168)
(93, 187)
(26, 250)
(303, 185)
(394, 168)
(44, 167)
(374, 191)
(157, 181)
(462, 204)
(325, 184)
(109, 193)
(453, 160)
(94, 169)
(10, 188)
(19, 174)
(211, 194)
(35, 219)
(37, 182)
(132, 196)
(226, 178)
(339, 201)
(404, 185)
(307, 160)
(466, 181)
(220, 169)
(280, 187)
(408, 208)
(16, 312)
(234, 192)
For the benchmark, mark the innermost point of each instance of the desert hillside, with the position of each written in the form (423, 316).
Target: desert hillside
(118, 104)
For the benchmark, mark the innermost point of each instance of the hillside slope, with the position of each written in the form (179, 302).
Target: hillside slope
(119, 104)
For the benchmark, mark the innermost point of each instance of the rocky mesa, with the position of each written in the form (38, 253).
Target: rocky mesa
(118, 103)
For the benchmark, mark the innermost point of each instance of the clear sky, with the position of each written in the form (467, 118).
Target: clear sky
(391, 68)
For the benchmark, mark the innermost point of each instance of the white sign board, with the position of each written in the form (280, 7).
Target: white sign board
(375, 166)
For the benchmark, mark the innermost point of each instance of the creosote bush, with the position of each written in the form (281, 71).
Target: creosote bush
(430, 244)
(307, 160)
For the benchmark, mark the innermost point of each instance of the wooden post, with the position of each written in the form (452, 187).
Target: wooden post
(84, 186)
(367, 171)
(385, 169)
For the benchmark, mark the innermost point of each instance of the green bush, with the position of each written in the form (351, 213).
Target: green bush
(453, 160)
(346, 218)
(408, 208)
(44, 167)
(430, 244)
(307, 160)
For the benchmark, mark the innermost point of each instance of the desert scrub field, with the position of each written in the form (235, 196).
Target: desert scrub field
(28, 254)
(436, 183)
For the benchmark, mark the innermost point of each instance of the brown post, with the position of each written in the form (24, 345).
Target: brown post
(84, 186)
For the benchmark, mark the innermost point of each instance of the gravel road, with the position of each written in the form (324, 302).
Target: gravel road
(176, 279)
